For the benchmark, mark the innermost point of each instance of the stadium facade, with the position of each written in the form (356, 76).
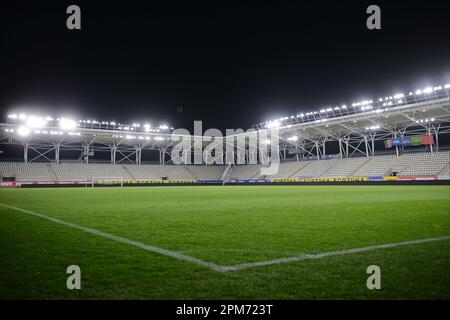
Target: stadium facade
(403, 136)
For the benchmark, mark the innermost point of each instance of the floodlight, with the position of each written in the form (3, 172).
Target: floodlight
(12, 116)
(419, 91)
(293, 138)
(23, 131)
(428, 90)
(112, 123)
(67, 124)
(447, 86)
(35, 122)
(273, 124)
(49, 118)
(399, 95)
(163, 127)
(22, 116)
(159, 138)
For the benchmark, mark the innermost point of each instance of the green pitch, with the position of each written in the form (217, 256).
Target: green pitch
(226, 226)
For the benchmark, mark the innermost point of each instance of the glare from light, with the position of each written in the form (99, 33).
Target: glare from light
(399, 95)
(419, 91)
(23, 131)
(67, 124)
(163, 127)
(35, 122)
(447, 86)
(22, 116)
(428, 90)
(273, 124)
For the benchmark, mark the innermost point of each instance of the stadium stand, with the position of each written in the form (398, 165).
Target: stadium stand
(27, 171)
(290, 169)
(156, 172)
(344, 167)
(250, 171)
(206, 172)
(81, 172)
(409, 164)
(315, 169)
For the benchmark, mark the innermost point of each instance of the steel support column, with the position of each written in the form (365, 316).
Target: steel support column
(25, 152)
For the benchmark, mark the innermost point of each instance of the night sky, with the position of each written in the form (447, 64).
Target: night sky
(228, 64)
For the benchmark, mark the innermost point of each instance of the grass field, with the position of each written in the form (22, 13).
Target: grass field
(225, 226)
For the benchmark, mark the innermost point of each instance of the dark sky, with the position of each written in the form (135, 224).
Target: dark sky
(230, 65)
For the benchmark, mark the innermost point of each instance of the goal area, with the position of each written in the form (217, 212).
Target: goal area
(107, 181)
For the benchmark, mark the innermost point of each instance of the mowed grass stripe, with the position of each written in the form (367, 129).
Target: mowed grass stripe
(228, 226)
(173, 254)
(222, 268)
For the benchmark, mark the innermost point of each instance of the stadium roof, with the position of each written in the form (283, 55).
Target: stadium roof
(424, 111)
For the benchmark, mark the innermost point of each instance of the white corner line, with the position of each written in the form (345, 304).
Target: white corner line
(173, 254)
(314, 256)
(217, 267)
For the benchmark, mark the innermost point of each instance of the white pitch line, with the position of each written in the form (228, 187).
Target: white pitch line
(222, 268)
(302, 257)
(173, 254)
